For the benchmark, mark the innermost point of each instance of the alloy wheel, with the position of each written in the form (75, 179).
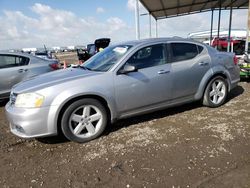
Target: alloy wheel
(85, 121)
(217, 91)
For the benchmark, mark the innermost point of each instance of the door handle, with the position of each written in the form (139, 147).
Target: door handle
(203, 63)
(163, 71)
(22, 70)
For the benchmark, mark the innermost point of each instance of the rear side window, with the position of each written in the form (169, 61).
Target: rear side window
(183, 51)
(7, 61)
(22, 60)
(200, 48)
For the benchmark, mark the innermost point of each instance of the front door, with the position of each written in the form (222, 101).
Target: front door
(150, 85)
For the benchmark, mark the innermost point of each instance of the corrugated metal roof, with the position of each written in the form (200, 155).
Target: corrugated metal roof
(160, 9)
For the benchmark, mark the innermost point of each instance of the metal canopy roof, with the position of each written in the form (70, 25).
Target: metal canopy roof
(160, 9)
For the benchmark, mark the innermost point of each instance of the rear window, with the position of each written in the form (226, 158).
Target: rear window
(183, 51)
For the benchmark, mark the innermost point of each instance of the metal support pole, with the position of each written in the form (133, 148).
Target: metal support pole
(229, 30)
(248, 27)
(150, 33)
(211, 30)
(156, 28)
(137, 21)
(218, 32)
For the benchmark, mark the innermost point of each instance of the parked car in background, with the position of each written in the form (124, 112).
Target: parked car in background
(44, 55)
(16, 67)
(244, 64)
(92, 49)
(102, 43)
(237, 46)
(123, 80)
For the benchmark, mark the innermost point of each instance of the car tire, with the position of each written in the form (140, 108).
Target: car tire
(216, 92)
(84, 120)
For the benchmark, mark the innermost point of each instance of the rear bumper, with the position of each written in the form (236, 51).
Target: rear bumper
(244, 72)
(234, 83)
(29, 122)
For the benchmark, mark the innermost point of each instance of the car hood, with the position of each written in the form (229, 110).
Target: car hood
(52, 78)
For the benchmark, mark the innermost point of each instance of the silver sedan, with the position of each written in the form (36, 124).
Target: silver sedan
(124, 80)
(16, 67)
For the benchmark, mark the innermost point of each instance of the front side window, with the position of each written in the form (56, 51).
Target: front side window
(148, 57)
(183, 51)
(7, 61)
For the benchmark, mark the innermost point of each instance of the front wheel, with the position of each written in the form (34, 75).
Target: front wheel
(84, 120)
(216, 92)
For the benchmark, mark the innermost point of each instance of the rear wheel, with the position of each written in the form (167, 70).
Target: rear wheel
(216, 92)
(84, 120)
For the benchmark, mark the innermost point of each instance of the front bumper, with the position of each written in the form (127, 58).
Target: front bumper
(29, 122)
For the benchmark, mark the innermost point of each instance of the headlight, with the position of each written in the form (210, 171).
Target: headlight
(29, 100)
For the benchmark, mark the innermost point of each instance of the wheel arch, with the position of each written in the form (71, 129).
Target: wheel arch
(205, 81)
(92, 96)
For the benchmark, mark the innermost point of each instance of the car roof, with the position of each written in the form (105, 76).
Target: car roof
(151, 40)
(23, 54)
(16, 53)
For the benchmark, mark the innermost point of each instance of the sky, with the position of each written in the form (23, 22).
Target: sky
(34, 23)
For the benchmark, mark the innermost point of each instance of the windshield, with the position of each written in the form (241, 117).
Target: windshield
(105, 60)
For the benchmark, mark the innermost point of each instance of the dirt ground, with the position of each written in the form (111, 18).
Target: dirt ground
(67, 57)
(187, 146)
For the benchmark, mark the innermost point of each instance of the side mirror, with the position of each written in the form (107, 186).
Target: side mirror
(127, 69)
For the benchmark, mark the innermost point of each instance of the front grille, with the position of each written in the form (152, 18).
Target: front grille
(13, 98)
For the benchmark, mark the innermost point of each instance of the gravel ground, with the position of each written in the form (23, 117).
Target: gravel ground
(186, 146)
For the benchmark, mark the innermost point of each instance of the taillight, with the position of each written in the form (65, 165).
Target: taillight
(235, 60)
(54, 66)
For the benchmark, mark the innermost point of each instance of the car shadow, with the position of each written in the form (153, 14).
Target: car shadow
(144, 118)
(3, 102)
(245, 80)
(152, 116)
(53, 140)
(127, 122)
(238, 90)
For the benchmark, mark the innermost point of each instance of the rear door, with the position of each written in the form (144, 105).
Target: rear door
(189, 63)
(12, 70)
